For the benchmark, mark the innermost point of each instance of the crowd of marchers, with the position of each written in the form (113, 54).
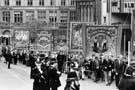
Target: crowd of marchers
(46, 70)
(108, 69)
(13, 57)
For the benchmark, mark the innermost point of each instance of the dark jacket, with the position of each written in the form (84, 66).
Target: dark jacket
(105, 65)
(127, 83)
(54, 77)
(35, 74)
(119, 67)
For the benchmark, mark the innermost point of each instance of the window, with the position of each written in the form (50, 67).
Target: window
(63, 21)
(64, 11)
(114, 3)
(18, 2)
(73, 15)
(30, 2)
(72, 2)
(42, 14)
(29, 16)
(53, 11)
(52, 19)
(125, 5)
(132, 5)
(104, 19)
(6, 2)
(6, 16)
(129, 5)
(52, 2)
(18, 17)
(41, 2)
(63, 2)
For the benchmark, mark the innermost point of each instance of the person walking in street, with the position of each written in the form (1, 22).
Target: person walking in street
(32, 60)
(36, 74)
(96, 69)
(119, 69)
(128, 81)
(45, 68)
(54, 76)
(72, 82)
(106, 70)
(60, 60)
(9, 58)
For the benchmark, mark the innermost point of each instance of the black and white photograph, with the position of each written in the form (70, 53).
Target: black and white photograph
(67, 44)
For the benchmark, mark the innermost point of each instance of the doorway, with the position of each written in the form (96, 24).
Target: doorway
(126, 37)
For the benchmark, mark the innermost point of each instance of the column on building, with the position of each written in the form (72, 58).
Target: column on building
(81, 12)
(11, 16)
(85, 13)
(91, 12)
(24, 16)
(88, 8)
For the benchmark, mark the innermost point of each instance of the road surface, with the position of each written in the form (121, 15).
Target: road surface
(18, 78)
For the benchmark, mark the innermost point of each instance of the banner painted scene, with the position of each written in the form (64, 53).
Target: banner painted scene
(21, 38)
(44, 41)
(101, 39)
(76, 36)
(60, 40)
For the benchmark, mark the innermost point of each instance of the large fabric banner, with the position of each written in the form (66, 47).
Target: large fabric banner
(21, 38)
(44, 40)
(76, 36)
(133, 36)
(101, 39)
(60, 40)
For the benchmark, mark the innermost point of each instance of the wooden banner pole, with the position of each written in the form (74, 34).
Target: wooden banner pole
(129, 57)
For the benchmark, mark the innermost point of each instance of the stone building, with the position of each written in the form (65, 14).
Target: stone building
(28, 15)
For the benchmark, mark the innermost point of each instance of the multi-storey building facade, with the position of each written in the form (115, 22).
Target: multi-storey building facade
(37, 14)
(86, 10)
(121, 14)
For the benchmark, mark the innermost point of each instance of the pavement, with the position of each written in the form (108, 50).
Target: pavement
(18, 78)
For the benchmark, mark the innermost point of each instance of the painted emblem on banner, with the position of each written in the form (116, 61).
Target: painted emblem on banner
(21, 38)
(101, 40)
(60, 40)
(61, 43)
(76, 38)
(44, 41)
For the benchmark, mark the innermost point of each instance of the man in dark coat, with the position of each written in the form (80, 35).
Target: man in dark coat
(32, 63)
(9, 58)
(60, 60)
(45, 68)
(96, 69)
(54, 77)
(119, 70)
(106, 70)
(127, 82)
(14, 58)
